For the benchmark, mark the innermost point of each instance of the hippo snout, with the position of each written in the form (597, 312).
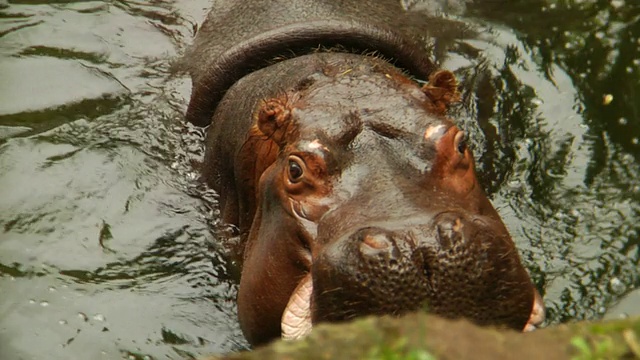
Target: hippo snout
(377, 244)
(455, 265)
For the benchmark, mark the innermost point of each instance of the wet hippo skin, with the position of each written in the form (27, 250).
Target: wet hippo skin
(353, 191)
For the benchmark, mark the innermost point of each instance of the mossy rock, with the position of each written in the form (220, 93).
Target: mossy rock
(424, 337)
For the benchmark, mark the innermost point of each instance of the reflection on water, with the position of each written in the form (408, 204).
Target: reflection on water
(575, 183)
(106, 248)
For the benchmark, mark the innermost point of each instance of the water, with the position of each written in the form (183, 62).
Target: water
(106, 241)
(98, 215)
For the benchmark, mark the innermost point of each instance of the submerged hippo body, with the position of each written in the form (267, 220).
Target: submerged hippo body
(353, 192)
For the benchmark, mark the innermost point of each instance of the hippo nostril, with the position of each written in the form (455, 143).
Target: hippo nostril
(451, 229)
(458, 225)
(376, 241)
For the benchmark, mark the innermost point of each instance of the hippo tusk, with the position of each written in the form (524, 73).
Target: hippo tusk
(537, 314)
(296, 319)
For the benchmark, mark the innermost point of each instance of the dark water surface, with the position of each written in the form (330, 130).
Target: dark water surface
(106, 242)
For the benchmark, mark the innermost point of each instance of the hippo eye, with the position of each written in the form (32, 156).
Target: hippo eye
(295, 170)
(460, 142)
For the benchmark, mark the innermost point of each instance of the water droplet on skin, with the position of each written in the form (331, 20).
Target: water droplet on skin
(44, 303)
(52, 289)
(83, 317)
(62, 322)
(98, 317)
(31, 301)
(602, 310)
(616, 286)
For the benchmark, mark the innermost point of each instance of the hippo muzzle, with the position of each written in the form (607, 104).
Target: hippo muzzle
(451, 263)
(454, 264)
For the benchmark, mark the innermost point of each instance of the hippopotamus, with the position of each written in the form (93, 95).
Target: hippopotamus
(353, 191)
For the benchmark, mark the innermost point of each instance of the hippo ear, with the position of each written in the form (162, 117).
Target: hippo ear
(442, 90)
(266, 137)
(274, 119)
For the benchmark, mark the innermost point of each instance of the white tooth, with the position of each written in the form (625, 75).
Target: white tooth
(296, 319)
(537, 314)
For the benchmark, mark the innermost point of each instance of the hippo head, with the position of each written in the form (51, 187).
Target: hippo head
(372, 206)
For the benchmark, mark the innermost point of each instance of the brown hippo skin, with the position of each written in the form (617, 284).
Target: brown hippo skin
(353, 192)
